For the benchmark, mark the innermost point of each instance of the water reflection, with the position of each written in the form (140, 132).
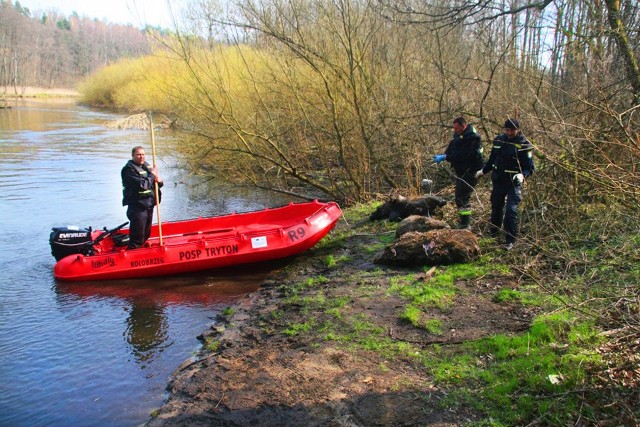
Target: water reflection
(146, 329)
(44, 114)
(148, 303)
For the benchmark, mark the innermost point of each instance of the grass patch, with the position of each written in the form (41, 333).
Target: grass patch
(211, 344)
(277, 314)
(374, 248)
(387, 238)
(433, 326)
(358, 331)
(423, 294)
(383, 232)
(412, 315)
(360, 211)
(515, 379)
(292, 293)
(299, 328)
(534, 299)
(507, 295)
(439, 290)
(331, 261)
(321, 302)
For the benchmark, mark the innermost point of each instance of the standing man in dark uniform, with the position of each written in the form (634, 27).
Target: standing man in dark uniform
(511, 161)
(466, 156)
(138, 179)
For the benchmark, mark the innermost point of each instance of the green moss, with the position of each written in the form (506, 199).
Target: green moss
(440, 289)
(433, 326)
(292, 293)
(412, 315)
(360, 211)
(423, 294)
(299, 328)
(335, 313)
(211, 344)
(330, 261)
(374, 248)
(388, 238)
(534, 370)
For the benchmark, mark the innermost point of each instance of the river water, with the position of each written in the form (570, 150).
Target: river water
(94, 353)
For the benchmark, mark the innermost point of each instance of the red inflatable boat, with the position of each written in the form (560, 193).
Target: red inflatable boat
(192, 245)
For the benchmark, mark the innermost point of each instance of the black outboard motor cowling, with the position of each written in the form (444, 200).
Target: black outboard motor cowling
(66, 241)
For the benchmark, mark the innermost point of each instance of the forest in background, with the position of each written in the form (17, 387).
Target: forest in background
(47, 49)
(352, 98)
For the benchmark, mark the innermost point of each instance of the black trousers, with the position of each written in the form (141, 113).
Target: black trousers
(505, 191)
(140, 220)
(465, 186)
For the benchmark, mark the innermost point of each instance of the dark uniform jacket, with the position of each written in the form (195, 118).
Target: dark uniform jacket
(465, 152)
(137, 185)
(509, 157)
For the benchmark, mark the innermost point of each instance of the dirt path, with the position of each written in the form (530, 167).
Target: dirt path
(263, 371)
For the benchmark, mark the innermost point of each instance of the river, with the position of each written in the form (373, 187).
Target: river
(94, 353)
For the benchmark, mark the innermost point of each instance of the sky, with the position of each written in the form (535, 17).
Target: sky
(136, 12)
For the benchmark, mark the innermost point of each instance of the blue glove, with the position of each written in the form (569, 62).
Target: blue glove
(439, 158)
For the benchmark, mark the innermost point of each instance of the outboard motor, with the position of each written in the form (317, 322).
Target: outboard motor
(120, 240)
(70, 240)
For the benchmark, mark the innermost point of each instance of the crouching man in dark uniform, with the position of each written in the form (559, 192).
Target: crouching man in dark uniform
(511, 161)
(466, 156)
(138, 179)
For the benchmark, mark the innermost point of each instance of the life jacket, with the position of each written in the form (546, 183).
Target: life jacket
(465, 152)
(143, 194)
(511, 156)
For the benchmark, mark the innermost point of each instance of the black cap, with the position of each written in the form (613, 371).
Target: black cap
(512, 124)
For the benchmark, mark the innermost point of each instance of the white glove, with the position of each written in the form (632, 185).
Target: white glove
(479, 173)
(518, 178)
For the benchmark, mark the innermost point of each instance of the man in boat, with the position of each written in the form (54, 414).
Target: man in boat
(138, 190)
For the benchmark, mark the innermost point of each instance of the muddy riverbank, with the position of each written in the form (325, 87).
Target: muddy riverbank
(309, 347)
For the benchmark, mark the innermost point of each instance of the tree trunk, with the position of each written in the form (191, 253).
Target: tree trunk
(626, 51)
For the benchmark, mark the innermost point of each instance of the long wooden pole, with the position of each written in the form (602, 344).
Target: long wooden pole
(155, 186)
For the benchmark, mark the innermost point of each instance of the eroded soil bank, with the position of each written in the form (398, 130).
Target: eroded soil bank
(295, 352)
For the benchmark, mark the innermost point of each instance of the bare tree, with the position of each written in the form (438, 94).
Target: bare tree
(337, 101)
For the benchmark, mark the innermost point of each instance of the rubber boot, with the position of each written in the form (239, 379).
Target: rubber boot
(464, 222)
